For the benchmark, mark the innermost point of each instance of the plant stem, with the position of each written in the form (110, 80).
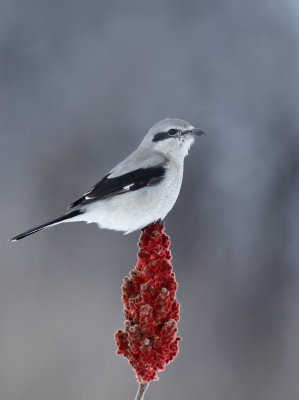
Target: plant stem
(141, 390)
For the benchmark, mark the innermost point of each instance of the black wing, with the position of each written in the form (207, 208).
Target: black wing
(134, 180)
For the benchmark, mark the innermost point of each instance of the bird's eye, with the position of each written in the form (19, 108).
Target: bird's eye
(172, 132)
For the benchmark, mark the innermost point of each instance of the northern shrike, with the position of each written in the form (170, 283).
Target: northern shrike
(141, 189)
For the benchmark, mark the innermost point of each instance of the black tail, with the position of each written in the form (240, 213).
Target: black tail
(48, 224)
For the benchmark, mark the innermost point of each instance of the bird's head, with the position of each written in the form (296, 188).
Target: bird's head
(172, 137)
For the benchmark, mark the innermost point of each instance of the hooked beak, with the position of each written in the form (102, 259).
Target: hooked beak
(195, 132)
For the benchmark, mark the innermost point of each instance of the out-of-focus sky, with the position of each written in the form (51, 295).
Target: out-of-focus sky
(80, 84)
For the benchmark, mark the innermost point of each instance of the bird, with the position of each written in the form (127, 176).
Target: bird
(141, 189)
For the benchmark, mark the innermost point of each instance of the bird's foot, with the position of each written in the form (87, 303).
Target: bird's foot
(160, 222)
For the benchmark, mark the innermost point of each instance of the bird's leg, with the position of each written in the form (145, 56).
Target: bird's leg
(160, 222)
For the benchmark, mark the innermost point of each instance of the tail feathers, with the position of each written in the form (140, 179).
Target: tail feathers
(46, 225)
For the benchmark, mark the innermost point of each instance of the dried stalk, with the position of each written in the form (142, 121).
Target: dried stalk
(141, 390)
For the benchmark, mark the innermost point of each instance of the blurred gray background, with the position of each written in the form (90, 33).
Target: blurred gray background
(80, 84)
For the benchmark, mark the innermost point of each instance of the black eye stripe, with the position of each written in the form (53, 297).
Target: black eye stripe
(160, 136)
(165, 135)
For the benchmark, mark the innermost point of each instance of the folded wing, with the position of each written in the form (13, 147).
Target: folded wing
(117, 185)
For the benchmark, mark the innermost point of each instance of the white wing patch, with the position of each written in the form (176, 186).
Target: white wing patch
(128, 186)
